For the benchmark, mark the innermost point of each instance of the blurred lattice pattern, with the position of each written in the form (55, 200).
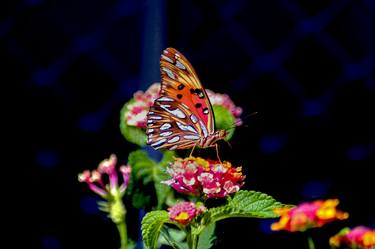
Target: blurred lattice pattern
(307, 67)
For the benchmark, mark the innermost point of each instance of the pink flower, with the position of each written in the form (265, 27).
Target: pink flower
(184, 212)
(106, 170)
(360, 237)
(137, 110)
(225, 101)
(308, 215)
(197, 176)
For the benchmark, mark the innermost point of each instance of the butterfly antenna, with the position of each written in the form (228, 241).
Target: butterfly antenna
(240, 121)
(248, 116)
(230, 146)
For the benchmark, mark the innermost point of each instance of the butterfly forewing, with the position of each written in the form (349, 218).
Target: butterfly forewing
(180, 81)
(182, 115)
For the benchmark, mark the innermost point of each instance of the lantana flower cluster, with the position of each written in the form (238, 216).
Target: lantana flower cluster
(225, 101)
(184, 212)
(137, 110)
(360, 237)
(197, 176)
(107, 169)
(308, 215)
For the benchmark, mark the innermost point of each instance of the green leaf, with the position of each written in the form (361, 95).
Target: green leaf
(132, 134)
(142, 165)
(162, 190)
(207, 237)
(173, 237)
(151, 225)
(140, 199)
(150, 172)
(224, 120)
(248, 204)
(168, 156)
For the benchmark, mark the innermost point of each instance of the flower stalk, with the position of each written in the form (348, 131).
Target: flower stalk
(311, 242)
(104, 181)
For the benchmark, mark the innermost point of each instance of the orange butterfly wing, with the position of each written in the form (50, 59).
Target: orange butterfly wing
(182, 114)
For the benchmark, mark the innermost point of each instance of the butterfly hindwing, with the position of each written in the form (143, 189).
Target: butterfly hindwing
(171, 125)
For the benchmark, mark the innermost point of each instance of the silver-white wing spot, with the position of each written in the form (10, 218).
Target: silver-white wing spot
(169, 73)
(186, 127)
(164, 98)
(193, 118)
(160, 142)
(150, 112)
(179, 65)
(149, 121)
(167, 58)
(176, 112)
(155, 117)
(150, 130)
(204, 129)
(166, 133)
(191, 137)
(173, 147)
(165, 126)
(174, 139)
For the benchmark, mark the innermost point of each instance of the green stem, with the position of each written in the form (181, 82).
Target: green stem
(311, 243)
(192, 239)
(195, 241)
(123, 234)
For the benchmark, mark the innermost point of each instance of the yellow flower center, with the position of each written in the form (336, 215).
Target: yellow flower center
(182, 216)
(369, 238)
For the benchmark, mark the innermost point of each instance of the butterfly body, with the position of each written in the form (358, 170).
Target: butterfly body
(182, 117)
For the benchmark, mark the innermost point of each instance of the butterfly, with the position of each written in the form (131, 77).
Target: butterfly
(182, 117)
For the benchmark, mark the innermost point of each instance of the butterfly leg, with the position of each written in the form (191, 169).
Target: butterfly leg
(191, 152)
(217, 152)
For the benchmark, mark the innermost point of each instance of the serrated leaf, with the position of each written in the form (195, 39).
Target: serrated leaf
(249, 204)
(132, 134)
(140, 199)
(152, 223)
(207, 237)
(162, 190)
(224, 120)
(167, 158)
(149, 171)
(142, 165)
(173, 237)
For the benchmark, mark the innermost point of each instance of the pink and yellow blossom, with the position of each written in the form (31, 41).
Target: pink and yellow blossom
(107, 170)
(360, 237)
(308, 215)
(197, 176)
(137, 110)
(184, 212)
(225, 101)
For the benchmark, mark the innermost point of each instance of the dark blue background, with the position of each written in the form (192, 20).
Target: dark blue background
(307, 67)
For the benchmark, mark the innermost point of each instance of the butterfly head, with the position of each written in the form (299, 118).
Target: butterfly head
(221, 134)
(218, 135)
